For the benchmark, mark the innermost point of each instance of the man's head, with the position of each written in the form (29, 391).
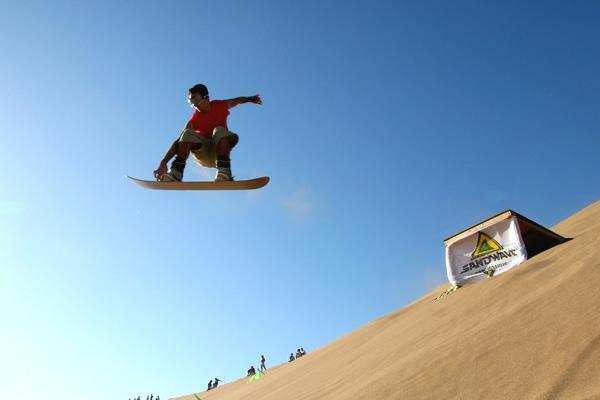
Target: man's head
(198, 97)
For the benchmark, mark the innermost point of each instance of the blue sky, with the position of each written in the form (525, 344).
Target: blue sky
(386, 127)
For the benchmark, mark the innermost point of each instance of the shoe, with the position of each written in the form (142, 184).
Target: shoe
(223, 174)
(172, 176)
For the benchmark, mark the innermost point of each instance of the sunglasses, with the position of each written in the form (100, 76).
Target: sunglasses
(196, 99)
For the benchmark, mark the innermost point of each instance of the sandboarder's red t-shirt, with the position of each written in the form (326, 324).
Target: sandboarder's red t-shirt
(205, 122)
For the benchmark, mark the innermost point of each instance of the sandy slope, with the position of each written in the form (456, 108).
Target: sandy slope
(532, 333)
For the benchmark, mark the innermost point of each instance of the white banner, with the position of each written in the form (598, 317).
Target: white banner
(496, 248)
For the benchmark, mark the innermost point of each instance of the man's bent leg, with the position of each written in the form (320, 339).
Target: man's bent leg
(224, 140)
(178, 164)
(187, 141)
(224, 147)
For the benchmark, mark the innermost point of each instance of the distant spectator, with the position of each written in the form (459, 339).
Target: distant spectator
(262, 363)
(148, 397)
(251, 371)
(302, 351)
(217, 380)
(210, 385)
(298, 354)
(291, 357)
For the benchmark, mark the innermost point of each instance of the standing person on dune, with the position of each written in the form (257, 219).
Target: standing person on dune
(206, 136)
(263, 367)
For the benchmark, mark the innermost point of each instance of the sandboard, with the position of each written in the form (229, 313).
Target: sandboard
(204, 185)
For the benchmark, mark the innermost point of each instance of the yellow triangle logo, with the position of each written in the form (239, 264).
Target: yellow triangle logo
(485, 245)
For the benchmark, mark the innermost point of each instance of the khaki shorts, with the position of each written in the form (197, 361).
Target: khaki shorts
(207, 154)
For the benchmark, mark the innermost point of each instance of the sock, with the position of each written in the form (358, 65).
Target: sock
(178, 165)
(223, 162)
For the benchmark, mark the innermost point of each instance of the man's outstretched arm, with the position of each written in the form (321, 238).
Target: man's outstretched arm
(241, 100)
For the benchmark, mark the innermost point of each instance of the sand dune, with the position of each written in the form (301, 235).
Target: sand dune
(532, 333)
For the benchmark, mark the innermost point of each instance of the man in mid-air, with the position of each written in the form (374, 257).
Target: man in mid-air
(206, 136)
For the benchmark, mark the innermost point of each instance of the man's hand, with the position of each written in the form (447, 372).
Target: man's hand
(256, 99)
(160, 171)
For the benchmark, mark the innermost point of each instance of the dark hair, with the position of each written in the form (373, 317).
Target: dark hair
(199, 89)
